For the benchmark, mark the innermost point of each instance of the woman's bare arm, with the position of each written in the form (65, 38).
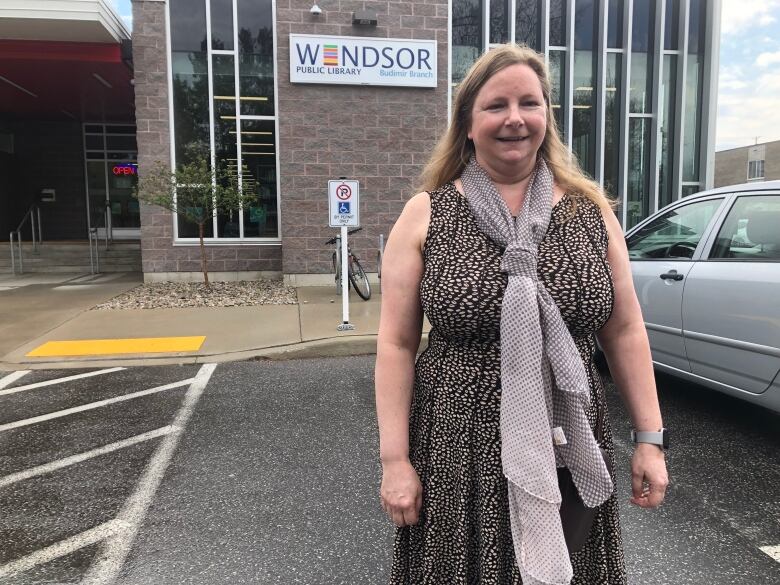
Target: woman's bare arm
(626, 347)
(400, 329)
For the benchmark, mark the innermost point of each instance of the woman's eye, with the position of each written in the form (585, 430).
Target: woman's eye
(495, 106)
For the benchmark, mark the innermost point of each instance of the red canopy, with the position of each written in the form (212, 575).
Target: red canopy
(56, 80)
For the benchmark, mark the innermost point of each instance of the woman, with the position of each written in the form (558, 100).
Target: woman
(508, 242)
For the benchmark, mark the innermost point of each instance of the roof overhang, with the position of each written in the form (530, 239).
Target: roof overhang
(56, 80)
(84, 21)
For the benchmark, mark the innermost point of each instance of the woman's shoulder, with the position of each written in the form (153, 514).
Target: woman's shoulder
(594, 217)
(418, 203)
(444, 191)
(586, 207)
(412, 224)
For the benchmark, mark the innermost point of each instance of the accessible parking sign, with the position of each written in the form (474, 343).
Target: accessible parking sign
(343, 203)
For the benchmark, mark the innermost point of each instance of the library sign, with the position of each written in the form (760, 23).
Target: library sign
(362, 61)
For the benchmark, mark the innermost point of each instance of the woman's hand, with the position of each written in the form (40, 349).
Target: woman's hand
(401, 493)
(648, 476)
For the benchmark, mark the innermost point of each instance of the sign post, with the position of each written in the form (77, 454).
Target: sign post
(344, 212)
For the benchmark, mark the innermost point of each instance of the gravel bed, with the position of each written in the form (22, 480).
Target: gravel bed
(167, 295)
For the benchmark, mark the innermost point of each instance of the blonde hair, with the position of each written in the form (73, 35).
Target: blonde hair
(454, 149)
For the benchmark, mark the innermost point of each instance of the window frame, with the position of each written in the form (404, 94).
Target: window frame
(215, 240)
(762, 165)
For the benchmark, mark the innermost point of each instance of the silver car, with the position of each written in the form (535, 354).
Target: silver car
(707, 273)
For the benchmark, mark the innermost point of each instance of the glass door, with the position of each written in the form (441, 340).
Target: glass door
(112, 172)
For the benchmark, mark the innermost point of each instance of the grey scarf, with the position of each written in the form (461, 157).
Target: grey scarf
(544, 388)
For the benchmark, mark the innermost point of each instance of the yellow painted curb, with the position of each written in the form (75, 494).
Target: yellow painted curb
(118, 346)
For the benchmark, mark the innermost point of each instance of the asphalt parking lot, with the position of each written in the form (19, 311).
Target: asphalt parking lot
(266, 473)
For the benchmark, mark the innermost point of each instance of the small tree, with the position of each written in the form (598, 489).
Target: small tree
(194, 192)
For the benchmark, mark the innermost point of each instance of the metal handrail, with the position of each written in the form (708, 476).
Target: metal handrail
(33, 213)
(94, 240)
(94, 256)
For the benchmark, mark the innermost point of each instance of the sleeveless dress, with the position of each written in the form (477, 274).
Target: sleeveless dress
(464, 537)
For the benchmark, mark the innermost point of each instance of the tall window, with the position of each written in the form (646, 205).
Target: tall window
(693, 80)
(614, 89)
(528, 29)
(615, 24)
(613, 92)
(557, 62)
(585, 64)
(644, 85)
(467, 42)
(223, 96)
(642, 44)
(666, 130)
(499, 21)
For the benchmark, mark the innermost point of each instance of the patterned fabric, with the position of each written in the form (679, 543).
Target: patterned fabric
(535, 342)
(464, 534)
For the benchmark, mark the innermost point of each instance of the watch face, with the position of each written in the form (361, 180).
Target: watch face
(665, 438)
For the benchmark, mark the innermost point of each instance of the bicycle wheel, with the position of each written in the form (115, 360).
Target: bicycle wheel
(359, 280)
(335, 259)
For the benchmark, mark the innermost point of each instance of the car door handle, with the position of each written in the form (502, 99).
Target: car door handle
(672, 274)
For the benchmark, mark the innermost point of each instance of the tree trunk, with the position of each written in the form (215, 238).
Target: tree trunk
(203, 256)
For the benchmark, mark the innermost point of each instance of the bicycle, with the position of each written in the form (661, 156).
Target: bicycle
(357, 276)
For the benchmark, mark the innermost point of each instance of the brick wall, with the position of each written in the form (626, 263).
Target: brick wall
(731, 166)
(153, 134)
(381, 136)
(772, 164)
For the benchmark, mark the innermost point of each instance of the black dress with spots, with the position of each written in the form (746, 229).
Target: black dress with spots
(463, 537)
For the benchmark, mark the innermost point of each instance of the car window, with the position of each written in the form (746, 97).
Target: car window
(675, 234)
(751, 230)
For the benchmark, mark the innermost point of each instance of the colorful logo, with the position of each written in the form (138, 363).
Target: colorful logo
(330, 55)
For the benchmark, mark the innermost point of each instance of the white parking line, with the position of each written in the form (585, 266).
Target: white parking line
(60, 549)
(57, 381)
(772, 551)
(91, 406)
(72, 460)
(12, 377)
(108, 563)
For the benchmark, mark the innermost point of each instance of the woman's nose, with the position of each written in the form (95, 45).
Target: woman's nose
(514, 117)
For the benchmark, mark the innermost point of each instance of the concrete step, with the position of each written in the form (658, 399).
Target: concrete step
(73, 257)
(63, 255)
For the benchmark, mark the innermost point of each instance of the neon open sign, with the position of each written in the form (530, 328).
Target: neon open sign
(125, 169)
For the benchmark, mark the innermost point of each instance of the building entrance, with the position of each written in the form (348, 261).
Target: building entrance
(111, 156)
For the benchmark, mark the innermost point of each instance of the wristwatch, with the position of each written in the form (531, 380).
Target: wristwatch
(660, 438)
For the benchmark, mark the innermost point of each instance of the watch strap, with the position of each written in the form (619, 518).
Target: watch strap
(653, 437)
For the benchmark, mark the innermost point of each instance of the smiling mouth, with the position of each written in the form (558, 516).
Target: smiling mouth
(511, 138)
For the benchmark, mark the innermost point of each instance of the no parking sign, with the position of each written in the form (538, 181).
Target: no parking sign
(344, 208)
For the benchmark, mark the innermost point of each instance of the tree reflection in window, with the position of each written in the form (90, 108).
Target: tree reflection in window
(256, 58)
(467, 42)
(527, 23)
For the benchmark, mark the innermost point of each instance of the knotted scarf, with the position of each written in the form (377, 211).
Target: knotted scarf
(543, 384)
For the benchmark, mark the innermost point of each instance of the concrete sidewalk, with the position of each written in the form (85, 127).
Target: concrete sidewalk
(35, 309)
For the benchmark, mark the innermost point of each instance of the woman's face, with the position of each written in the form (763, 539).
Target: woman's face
(509, 119)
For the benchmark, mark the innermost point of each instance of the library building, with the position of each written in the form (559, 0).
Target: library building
(291, 94)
